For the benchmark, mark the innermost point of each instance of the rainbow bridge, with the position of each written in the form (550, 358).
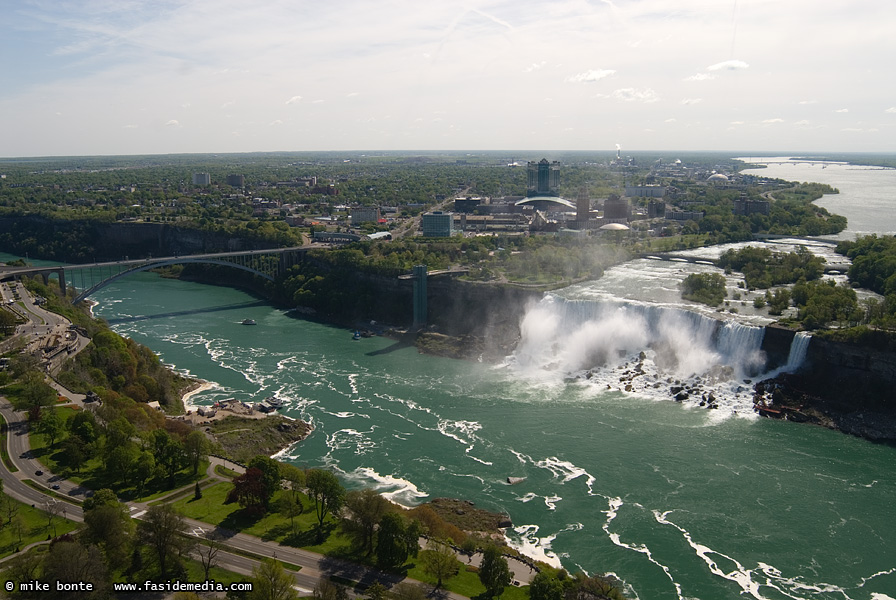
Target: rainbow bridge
(88, 278)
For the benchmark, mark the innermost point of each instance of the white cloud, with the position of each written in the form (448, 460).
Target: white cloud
(130, 127)
(687, 101)
(294, 100)
(736, 123)
(172, 123)
(590, 76)
(645, 95)
(770, 121)
(891, 110)
(802, 123)
(808, 101)
(535, 66)
(842, 110)
(728, 65)
(275, 122)
(700, 77)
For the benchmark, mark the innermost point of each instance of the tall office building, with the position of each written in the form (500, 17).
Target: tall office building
(202, 179)
(543, 178)
(437, 224)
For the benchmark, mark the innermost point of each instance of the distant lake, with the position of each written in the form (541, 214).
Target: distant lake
(867, 195)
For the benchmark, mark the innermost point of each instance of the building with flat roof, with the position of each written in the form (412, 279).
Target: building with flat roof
(365, 214)
(543, 178)
(437, 224)
(202, 179)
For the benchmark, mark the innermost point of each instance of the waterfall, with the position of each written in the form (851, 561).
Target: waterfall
(798, 348)
(572, 335)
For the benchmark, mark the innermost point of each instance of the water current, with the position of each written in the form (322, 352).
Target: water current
(678, 500)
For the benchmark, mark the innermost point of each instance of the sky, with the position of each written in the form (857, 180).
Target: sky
(106, 77)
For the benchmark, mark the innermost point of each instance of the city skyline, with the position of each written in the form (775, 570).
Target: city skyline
(102, 77)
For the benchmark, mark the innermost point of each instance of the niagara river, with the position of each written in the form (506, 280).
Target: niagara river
(677, 499)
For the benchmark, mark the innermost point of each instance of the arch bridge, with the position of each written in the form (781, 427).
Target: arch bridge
(87, 279)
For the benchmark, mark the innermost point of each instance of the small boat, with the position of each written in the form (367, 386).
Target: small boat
(249, 322)
(357, 335)
(515, 480)
(274, 401)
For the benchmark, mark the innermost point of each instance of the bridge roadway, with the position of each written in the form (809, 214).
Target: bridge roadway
(7, 272)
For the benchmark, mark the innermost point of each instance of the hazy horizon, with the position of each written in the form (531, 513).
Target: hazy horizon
(104, 78)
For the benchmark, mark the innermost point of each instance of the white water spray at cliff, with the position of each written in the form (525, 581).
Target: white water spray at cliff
(642, 348)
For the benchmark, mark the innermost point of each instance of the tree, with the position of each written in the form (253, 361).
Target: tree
(366, 509)
(36, 392)
(249, 491)
(270, 470)
(50, 425)
(18, 527)
(9, 507)
(494, 572)
(271, 582)
(162, 530)
(328, 590)
(327, 494)
(396, 540)
(376, 591)
(289, 506)
(439, 561)
(71, 562)
(208, 555)
(295, 479)
(169, 453)
(546, 586)
(144, 467)
(109, 526)
(408, 591)
(73, 449)
(195, 447)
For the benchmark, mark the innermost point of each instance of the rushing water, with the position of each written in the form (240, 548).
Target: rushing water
(677, 500)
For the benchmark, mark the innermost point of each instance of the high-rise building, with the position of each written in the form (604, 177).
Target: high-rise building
(437, 224)
(583, 208)
(543, 178)
(202, 179)
(236, 180)
(616, 209)
(365, 214)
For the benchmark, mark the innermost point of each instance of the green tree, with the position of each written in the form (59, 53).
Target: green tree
(109, 526)
(36, 392)
(439, 561)
(270, 581)
(327, 493)
(546, 585)
(494, 572)
(366, 508)
(396, 540)
(163, 531)
(50, 425)
(195, 447)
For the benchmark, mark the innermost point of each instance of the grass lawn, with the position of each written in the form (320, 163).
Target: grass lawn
(92, 474)
(35, 527)
(271, 526)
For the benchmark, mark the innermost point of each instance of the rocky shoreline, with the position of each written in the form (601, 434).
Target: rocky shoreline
(796, 397)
